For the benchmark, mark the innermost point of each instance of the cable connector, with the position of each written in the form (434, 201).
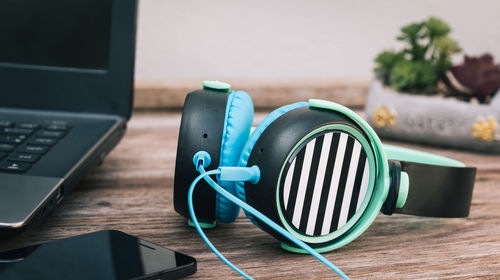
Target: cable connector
(250, 174)
(201, 159)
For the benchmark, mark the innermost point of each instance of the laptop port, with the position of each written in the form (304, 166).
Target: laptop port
(59, 195)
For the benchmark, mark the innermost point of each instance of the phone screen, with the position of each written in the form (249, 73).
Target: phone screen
(98, 255)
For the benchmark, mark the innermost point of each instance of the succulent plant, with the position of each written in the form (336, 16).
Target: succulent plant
(477, 77)
(426, 57)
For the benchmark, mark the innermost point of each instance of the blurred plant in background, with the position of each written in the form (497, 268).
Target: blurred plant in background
(418, 67)
(419, 95)
(424, 66)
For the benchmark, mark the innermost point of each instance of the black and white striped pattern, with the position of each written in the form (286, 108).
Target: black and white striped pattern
(325, 183)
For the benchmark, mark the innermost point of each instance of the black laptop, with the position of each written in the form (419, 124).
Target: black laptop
(66, 87)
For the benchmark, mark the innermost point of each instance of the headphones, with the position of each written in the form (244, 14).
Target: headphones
(314, 169)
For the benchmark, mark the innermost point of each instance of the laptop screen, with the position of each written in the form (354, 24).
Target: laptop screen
(58, 33)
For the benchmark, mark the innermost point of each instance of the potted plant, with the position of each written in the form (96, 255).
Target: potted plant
(419, 96)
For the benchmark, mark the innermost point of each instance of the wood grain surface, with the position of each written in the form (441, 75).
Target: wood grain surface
(132, 191)
(265, 93)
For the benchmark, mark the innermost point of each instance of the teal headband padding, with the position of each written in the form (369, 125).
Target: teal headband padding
(245, 153)
(405, 154)
(237, 123)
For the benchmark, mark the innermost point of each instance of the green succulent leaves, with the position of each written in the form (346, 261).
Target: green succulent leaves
(413, 75)
(436, 27)
(425, 58)
(385, 62)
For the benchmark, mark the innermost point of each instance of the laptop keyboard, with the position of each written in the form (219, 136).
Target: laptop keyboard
(23, 144)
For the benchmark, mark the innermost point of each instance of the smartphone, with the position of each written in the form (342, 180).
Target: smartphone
(107, 255)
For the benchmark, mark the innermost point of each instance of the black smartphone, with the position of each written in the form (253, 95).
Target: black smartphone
(107, 254)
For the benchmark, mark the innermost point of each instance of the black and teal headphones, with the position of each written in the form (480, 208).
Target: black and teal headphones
(315, 170)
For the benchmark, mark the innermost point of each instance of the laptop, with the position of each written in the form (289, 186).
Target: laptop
(66, 87)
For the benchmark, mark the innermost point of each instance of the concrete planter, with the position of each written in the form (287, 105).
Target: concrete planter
(433, 119)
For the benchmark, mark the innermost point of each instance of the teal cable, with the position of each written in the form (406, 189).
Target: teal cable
(205, 175)
(197, 224)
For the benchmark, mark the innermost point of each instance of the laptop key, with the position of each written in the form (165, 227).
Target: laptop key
(6, 147)
(43, 141)
(6, 124)
(50, 134)
(28, 125)
(14, 166)
(11, 139)
(57, 127)
(2, 155)
(16, 131)
(34, 149)
(30, 158)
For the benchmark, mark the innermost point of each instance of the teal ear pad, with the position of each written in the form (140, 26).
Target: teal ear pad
(237, 123)
(324, 176)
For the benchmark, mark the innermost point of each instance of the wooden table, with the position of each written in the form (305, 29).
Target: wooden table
(132, 192)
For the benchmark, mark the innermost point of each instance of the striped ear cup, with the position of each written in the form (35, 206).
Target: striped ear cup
(325, 182)
(319, 177)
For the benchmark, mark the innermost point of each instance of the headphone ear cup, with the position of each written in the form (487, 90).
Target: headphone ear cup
(317, 177)
(218, 123)
(201, 129)
(236, 130)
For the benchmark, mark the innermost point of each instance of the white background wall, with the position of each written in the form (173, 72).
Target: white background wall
(280, 39)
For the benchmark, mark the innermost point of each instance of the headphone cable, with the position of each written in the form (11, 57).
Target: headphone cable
(206, 176)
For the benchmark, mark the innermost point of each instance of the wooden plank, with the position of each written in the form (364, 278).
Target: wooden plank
(132, 192)
(265, 94)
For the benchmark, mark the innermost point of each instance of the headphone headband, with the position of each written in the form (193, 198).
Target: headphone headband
(438, 186)
(438, 191)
